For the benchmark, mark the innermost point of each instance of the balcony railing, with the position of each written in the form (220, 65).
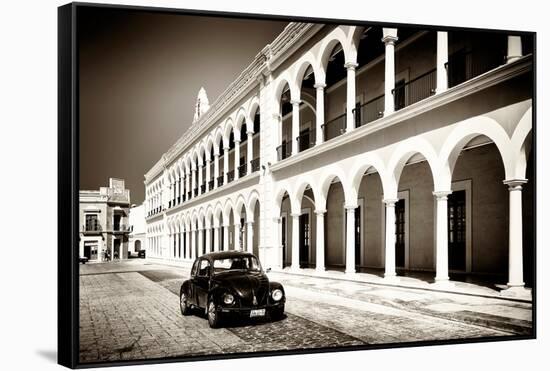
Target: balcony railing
(414, 90)
(284, 151)
(203, 188)
(467, 64)
(230, 176)
(220, 180)
(123, 228)
(306, 140)
(91, 228)
(195, 192)
(369, 111)
(189, 194)
(211, 184)
(170, 203)
(255, 164)
(334, 127)
(179, 200)
(242, 170)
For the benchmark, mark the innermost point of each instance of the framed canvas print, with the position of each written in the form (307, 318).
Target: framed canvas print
(239, 185)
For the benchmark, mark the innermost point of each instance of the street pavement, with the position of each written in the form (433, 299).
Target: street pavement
(129, 310)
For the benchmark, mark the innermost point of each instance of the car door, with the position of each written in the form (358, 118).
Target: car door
(192, 291)
(202, 282)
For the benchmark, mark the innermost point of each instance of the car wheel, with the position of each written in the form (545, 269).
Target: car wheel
(214, 317)
(277, 313)
(185, 309)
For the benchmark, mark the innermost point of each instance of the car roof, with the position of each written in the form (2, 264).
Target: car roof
(226, 255)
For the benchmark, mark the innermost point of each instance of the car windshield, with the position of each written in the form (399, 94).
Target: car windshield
(244, 263)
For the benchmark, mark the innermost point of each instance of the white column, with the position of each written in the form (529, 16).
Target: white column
(193, 181)
(200, 178)
(350, 98)
(187, 244)
(441, 237)
(187, 180)
(249, 152)
(217, 238)
(514, 49)
(515, 230)
(225, 237)
(250, 237)
(182, 239)
(237, 157)
(237, 228)
(390, 37)
(350, 239)
(442, 59)
(208, 240)
(320, 241)
(216, 169)
(390, 238)
(319, 112)
(207, 174)
(295, 125)
(295, 241)
(277, 222)
(225, 164)
(200, 240)
(193, 244)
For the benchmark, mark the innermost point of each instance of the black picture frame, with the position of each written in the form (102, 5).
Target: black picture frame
(68, 187)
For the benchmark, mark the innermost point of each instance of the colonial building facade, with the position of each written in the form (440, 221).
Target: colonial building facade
(360, 149)
(104, 224)
(136, 238)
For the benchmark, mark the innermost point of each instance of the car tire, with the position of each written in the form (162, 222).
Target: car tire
(185, 309)
(214, 317)
(277, 313)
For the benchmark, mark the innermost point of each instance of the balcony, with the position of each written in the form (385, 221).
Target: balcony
(91, 229)
(334, 127)
(195, 192)
(369, 111)
(211, 184)
(179, 200)
(306, 139)
(467, 64)
(230, 176)
(414, 90)
(242, 170)
(203, 188)
(170, 204)
(122, 228)
(284, 151)
(189, 194)
(255, 164)
(220, 180)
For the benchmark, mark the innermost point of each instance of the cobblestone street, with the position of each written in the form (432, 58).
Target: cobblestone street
(130, 310)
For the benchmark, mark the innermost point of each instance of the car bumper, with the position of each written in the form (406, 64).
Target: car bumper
(245, 311)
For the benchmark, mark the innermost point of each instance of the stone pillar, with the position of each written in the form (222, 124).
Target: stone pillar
(514, 49)
(208, 240)
(250, 237)
(441, 237)
(226, 237)
(295, 125)
(320, 241)
(200, 179)
(187, 181)
(277, 222)
(515, 237)
(237, 157)
(295, 241)
(389, 273)
(217, 238)
(200, 241)
(193, 244)
(350, 97)
(182, 240)
(216, 169)
(442, 59)
(193, 181)
(350, 239)
(319, 112)
(249, 152)
(389, 39)
(187, 244)
(237, 227)
(207, 174)
(225, 164)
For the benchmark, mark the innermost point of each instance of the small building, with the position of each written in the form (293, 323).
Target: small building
(136, 238)
(104, 222)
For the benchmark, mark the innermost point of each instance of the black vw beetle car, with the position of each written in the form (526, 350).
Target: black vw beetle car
(231, 282)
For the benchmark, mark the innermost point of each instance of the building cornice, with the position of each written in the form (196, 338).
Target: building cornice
(481, 82)
(270, 57)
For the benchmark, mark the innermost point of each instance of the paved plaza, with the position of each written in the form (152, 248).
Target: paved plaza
(130, 310)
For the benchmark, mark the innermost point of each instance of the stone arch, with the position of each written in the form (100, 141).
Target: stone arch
(521, 143)
(218, 136)
(286, 79)
(227, 129)
(252, 108)
(251, 202)
(279, 194)
(362, 165)
(227, 210)
(337, 36)
(240, 202)
(326, 180)
(301, 67)
(218, 214)
(301, 186)
(240, 120)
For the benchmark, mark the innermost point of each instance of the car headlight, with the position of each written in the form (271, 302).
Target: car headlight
(228, 299)
(277, 294)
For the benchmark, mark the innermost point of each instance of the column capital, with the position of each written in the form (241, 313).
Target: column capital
(319, 86)
(250, 133)
(441, 195)
(250, 222)
(237, 140)
(216, 154)
(320, 212)
(350, 208)
(295, 215)
(389, 35)
(295, 102)
(208, 161)
(390, 201)
(226, 149)
(350, 65)
(514, 184)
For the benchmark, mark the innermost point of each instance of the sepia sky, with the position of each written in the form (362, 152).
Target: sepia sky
(140, 73)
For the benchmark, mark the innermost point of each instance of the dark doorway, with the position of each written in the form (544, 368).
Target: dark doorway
(116, 249)
(304, 240)
(456, 214)
(399, 94)
(358, 238)
(283, 241)
(116, 222)
(88, 251)
(400, 233)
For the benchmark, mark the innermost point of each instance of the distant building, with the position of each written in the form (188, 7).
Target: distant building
(136, 239)
(104, 224)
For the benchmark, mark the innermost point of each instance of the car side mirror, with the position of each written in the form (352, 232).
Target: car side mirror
(268, 270)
